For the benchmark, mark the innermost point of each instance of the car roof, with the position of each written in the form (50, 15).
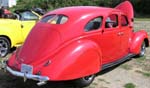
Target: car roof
(82, 10)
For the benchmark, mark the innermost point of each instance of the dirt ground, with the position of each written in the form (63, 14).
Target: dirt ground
(134, 73)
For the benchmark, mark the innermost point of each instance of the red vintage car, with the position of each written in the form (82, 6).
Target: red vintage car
(75, 43)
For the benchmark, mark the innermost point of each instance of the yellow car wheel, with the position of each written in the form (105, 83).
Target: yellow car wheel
(4, 46)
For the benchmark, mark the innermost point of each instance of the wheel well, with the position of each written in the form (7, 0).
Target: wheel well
(7, 38)
(146, 42)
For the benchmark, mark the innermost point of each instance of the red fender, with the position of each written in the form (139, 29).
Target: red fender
(78, 59)
(137, 40)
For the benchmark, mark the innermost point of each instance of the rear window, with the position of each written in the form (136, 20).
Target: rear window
(55, 19)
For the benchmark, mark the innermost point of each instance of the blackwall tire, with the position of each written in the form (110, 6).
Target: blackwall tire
(4, 46)
(85, 81)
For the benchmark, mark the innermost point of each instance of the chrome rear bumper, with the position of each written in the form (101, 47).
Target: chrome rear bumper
(42, 79)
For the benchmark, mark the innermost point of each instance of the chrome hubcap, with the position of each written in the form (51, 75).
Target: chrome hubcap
(143, 49)
(3, 48)
(88, 78)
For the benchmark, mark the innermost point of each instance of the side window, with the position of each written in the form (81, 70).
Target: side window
(111, 21)
(124, 20)
(28, 16)
(55, 19)
(94, 24)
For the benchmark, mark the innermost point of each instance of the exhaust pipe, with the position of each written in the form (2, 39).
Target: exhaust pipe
(41, 83)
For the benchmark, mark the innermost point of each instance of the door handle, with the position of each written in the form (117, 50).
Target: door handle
(120, 33)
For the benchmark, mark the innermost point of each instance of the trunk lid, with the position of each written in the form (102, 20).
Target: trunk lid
(43, 39)
(127, 8)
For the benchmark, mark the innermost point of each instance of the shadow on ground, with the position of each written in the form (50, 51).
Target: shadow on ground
(8, 81)
(112, 68)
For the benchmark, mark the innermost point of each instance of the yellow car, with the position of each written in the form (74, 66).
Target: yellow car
(13, 32)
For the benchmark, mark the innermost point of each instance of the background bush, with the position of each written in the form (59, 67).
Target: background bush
(141, 6)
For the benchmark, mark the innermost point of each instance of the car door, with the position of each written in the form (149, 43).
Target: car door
(125, 33)
(110, 41)
(28, 20)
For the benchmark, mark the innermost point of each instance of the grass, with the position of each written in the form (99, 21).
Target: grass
(142, 19)
(104, 81)
(1, 60)
(146, 74)
(126, 67)
(141, 59)
(129, 85)
(95, 84)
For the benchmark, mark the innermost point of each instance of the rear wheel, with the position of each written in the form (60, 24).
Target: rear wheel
(4, 46)
(142, 50)
(85, 81)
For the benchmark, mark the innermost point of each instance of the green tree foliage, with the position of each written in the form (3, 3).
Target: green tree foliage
(141, 6)
(52, 4)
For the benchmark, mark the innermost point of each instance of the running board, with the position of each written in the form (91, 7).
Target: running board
(105, 66)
